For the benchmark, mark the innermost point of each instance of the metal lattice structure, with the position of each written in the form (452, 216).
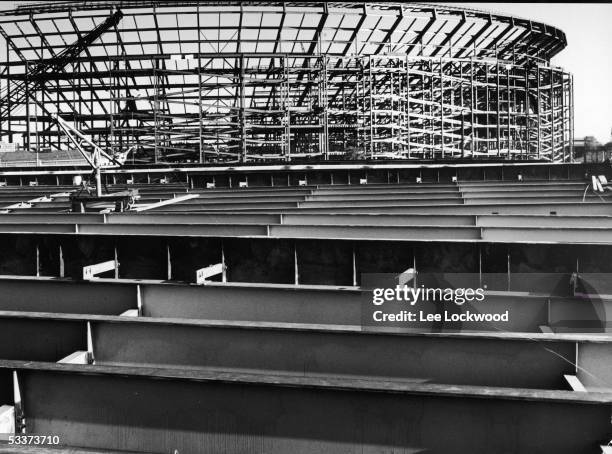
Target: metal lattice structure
(271, 81)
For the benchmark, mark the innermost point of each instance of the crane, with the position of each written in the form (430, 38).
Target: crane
(98, 159)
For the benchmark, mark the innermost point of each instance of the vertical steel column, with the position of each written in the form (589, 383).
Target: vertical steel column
(242, 107)
(91, 98)
(571, 115)
(8, 94)
(57, 107)
(27, 106)
(508, 111)
(116, 258)
(431, 132)
(1, 119)
(61, 262)
(363, 109)
(325, 106)
(563, 120)
(354, 267)
(372, 116)
(168, 262)
(200, 86)
(441, 107)
(79, 71)
(295, 265)
(552, 114)
(408, 138)
(285, 108)
(393, 107)
(487, 106)
(156, 103)
(527, 114)
(462, 102)
(155, 109)
(37, 260)
(508, 268)
(474, 106)
(111, 104)
(40, 92)
(223, 265)
(539, 99)
(498, 107)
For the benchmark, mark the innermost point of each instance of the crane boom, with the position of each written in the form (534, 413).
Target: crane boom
(19, 91)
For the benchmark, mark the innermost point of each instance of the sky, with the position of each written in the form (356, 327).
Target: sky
(588, 55)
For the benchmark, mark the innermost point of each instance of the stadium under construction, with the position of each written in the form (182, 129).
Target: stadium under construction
(195, 197)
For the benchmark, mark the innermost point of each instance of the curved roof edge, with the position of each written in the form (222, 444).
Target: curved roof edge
(556, 38)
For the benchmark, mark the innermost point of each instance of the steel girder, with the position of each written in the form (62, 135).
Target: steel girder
(158, 406)
(294, 81)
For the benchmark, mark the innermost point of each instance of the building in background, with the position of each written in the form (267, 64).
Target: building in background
(269, 81)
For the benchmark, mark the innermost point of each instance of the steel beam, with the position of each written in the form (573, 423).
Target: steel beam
(405, 233)
(433, 196)
(355, 196)
(231, 199)
(468, 360)
(438, 188)
(276, 303)
(379, 203)
(377, 219)
(208, 230)
(562, 208)
(65, 296)
(190, 218)
(547, 235)
(533, 199)
(92, 406)
(414, 233)
(42, 221)
(268, 302)
(239, 169)
(567, 222)
(536, 361)
(237, 206)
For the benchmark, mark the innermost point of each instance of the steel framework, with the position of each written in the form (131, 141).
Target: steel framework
(271, 81)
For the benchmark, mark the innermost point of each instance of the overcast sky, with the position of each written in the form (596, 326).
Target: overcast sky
(588, 27)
